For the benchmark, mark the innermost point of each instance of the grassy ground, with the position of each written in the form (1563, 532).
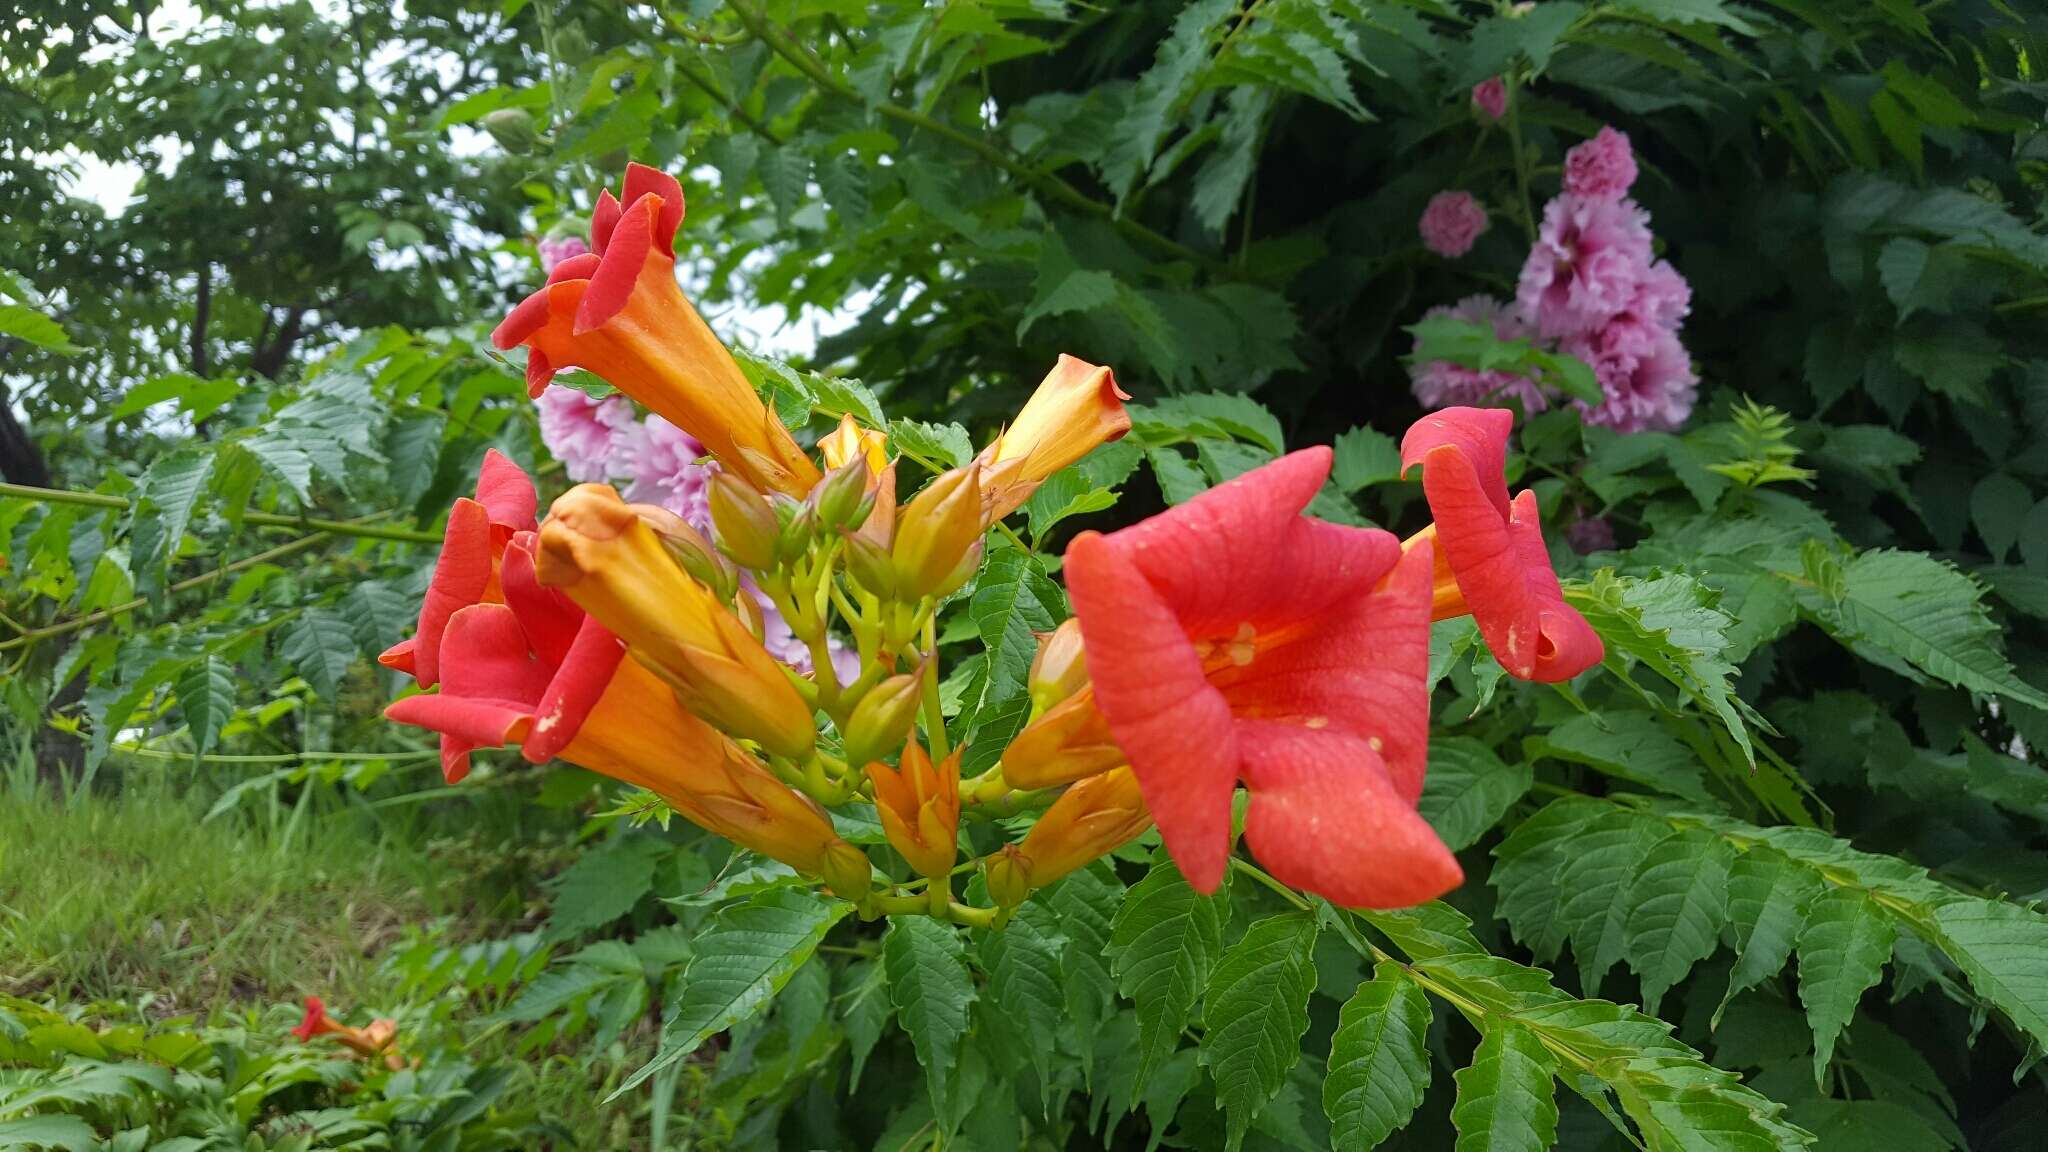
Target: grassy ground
(129, 894)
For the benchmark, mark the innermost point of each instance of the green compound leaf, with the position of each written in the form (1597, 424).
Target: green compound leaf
(1842, 952)
(742, 960)
(1680, 901)
(206, 692)
(1469, 788)
(929, 983)
(1379, 1068)
(1255, 1012)
(1767, 899)
(1163, 943)
(1023, 966)
(1507, 1099)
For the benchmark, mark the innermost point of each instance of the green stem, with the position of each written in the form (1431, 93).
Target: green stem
(1521, 155)
(1054, 187)
(934, 712)
(261, 519)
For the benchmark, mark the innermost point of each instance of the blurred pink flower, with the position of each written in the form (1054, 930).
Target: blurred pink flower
(783, 644)
(663, 468)
(553, 252)
(1442, 384)
(1451, 223)
(1589, 258)
(1490, 96)
(590, 436)
(1645, 375)
(1602, 168)
(1662, 296)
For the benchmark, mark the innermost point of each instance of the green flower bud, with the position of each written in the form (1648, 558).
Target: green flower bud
(881, 721)
(746, 526)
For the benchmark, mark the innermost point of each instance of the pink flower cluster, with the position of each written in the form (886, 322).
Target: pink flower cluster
(558, 249)
(603, 439)
(1593, 288)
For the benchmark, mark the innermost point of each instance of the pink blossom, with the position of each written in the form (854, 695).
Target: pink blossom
(1490, 96)
(588, 435)
(1663, 296)
(1601, 168)
(782, 643)
(1589, 259)
(553, 252)
(664, 469)
(1645, 375)
(1451, 223)
(1593, 534)
(1443, 384)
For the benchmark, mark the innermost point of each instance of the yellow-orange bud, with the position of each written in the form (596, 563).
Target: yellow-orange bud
(747, 526)
(935, 532)
(850, 442)
(846, 870)
(734, 795)
(882, 718)
(613, 566)
(1096, 816)
(1008, 876)
(1069, 741)
(919, 806)
(1075, 408)
(1060, 668)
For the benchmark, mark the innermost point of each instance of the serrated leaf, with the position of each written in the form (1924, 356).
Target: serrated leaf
(1595, 881)
(1179, 481)
(1899, 266)
(947, 445)
(2003, 951)
(1767, 899)
(1075, 290)
(1680, 901)
(379, 613)
(1163, 944)
(68, 1133)
(1842, 953)
(206, 693)
(413, 446)
(320, 644)
(1631, 746)
(171, 487)
(1254, 1013)
(1220, 183)
(785, 172)
(931, 988)
(1998, 506)
(742, 960)
(604, 884)
(1023, 966)
(1175, 71)
(1528, 864)
(1365, 456)
(24, 323)
(1910, 610)
(1068, 492)
(1468, 789)
(1506, 1099)
(864, 1011)
(1379, 1068)
(1085, 903)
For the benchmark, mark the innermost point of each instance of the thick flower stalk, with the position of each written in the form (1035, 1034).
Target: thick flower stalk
(1490, 559)
(1233, 639)
(618, 312)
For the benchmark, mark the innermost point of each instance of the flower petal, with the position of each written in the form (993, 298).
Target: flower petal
(603, 218)
(575, 689)
(611, 285)
(1479, 436)
(578, 267)
(644, 181)
(1173, 726)
(550, 619)
(1324, 817)
(1566, 644)
(507, 494)
(461, 575)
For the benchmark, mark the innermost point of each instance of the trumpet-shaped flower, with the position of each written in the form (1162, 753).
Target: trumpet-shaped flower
(472, 550)
(377, 1040)
(1077, 407)
(1067, 742)
(849, 441)
(602, 554)
(1490, 557)
(537, 672)
(618, 312)
(919, 806)
(1232, 638)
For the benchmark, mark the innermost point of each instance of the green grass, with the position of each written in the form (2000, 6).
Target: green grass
(128, 894)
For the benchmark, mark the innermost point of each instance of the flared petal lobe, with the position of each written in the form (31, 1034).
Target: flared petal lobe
(1493, 547)
(473, 547)
(1077, 407)
(1232, 638)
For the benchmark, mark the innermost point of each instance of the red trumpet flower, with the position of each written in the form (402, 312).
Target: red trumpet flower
(618, 312)
(1490, 558)
(472, 548)
(1232, 638)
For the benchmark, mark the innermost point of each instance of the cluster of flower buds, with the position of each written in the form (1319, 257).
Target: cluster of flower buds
(1228, 640)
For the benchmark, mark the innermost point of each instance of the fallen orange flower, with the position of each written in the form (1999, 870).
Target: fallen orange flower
(1490, 559)
(472, 549)
(1231, 638)
(1076, 408)
(618, 312)
(378, 1041)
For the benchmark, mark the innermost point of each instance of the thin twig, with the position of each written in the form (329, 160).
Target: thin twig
(260, 519)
